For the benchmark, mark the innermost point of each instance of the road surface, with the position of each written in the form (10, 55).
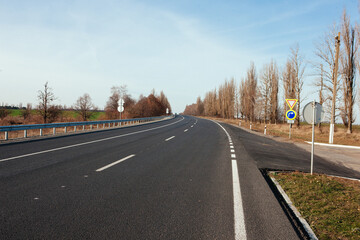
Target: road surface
(185, 178)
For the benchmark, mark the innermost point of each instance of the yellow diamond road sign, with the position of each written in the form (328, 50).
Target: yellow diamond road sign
(291, 103)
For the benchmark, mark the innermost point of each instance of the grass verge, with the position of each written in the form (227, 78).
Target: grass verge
(330, 205)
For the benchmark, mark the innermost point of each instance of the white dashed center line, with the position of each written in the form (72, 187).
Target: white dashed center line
(114, 163)
(186, 130)
(169, 138)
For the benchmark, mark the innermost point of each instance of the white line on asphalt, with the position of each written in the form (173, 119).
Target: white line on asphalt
(169, 138)
(231, 146)
(85, 143)
(114, 163)
(192, 125)
(240, 230)
(186, 130)
(239, 219)
(232, 150)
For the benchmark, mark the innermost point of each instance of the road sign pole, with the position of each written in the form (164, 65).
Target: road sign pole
(290, 131)
(313, 139)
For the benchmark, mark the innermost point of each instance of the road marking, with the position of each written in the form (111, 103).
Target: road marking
(114, 163)
(232, 150)
(239, 219)
(86, 143)
(240, 230)
(192, 125)
(186, 130)
(169, 138)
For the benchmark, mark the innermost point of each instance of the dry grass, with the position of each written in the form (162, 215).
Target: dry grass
(330, 205)
(302, 133)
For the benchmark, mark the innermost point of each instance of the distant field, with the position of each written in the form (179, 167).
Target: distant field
(66, 113)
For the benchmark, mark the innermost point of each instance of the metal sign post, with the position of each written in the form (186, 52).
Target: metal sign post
(121, 107)
(312, 139)
(313, 114)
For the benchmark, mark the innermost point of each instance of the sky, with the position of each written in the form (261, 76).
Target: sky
(184, 48)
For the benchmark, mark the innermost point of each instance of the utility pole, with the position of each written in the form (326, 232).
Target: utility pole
(335, 74)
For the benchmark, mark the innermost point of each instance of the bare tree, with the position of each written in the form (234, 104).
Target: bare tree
(288, 80)
(3, 113)
(348, 70)
(274, 93)
(298, 68)
(164, 102)
(327, 65)
(26, 112)
(117, 93)
(265, 86)
(199, 107)
(45, 97)
(210, 103)
(269, 90)
(251, 92)
(85, 107)
(237, 100)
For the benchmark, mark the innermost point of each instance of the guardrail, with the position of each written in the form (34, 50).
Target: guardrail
(66, 125)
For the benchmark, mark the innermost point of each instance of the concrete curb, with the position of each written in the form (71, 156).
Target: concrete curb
(335, 145)
(293, 208)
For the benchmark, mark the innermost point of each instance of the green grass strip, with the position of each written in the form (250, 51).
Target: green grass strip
(330, 205)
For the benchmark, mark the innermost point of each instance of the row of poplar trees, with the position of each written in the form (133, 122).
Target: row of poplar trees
(256, 97)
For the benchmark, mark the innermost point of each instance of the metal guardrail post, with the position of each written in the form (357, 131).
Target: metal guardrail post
(6, 135)
(25, 133)
(54, 131)
(74, 128)
(91, 126)
(83, 127)
(65, 130)
(41, 132)
(104, 125)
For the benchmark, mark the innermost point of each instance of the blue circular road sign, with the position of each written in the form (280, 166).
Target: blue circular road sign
(291, 114)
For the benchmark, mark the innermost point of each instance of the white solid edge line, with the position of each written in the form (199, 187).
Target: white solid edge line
(239, 218)
(239, 225)
(169, 138)
(114, 163)
(85, 143)
(335, 145)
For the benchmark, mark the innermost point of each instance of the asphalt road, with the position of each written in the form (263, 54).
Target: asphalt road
(184, 178)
